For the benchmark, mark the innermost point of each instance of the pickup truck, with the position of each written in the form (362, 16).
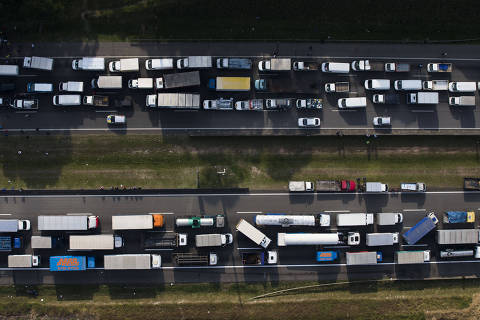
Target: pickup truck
(305, 66)
(311, 103)
(389, 98)
(397, 67)
(439, 67)
(96, 101)
(435, 85)
(337, 87)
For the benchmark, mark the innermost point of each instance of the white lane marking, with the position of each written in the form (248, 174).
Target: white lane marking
(247, 212)
(103, 111)
(415, 245)
(161, 213)
(5, 214)
(337, 247)
(249, 248)
(344, 110)
(422, 111)
(158, 249)
(232, 129)
(408, 210)
(80, 214)
(336, 211)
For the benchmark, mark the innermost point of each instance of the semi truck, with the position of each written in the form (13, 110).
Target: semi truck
(389, 218)
(137, 222)
(234, 63)
(96, 101)
(25, 104)
(363, 258)
(301, 186)
(457, 236)
(159, 241)
(471, 183)
(71, 263)
(435, 85)
(89, 64)
(310, 103)
(249, 105)
(327, 256)
(382, 239)
(187, 259)
(317, 239)
(418, 231)
(213, 240)
(124, 65)
(95, 242)
(68, 223)
(367, 65)
(45, 242)
(173, 101)
(194, 62)
(107, 82)
(217, 221)
(388, 98)
(39, 63)
(276, 64)
(178, 80)
(459, 217)
(412, 257)
(376, 187)
(14, 225)
(439, 67)
(23, 261)
(305, 66)
(258, 258)
(337, 87)
(218, 104)
(140, 261)
(422, 98)
(413, 187)
(462, 101)
(335, 186)
(283, 220)
(8, 244)
(354, 219)
(229, 84)
(253, 233)
(397, 67)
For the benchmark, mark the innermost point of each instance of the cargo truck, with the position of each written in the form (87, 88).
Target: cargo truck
(70, 86)
(137, 222)
(229, 84)
(327, 256)
(71, 263)
(305, 66)
(25, 104)
(8, 70)
(363, 258)
(45, 242)
(397, 67)
(354, 219)
(301, 186)
(283, 64)
(310, 103)
(382, 239)
(253, 233)
(213, 240)
(14, 225)
(461, 86)
(335, 186)
(435, 85)
(140, 83)
(462, 101)
(337, 87)
(107, 82)
(413, 187)
(258, 258)
(234, 63)
(132, 261)
(278, 104)
(217, 221)
(96, 101)
(186, 259)
(388, 98)
(89, 64)
(389, 218)
(155, 240)
(376, 187)
(367, 65)
(418, 231)
(95, 242)
(471, 183)
(249, 105)
(318, 239)
(68, 223)
(178, 80)
(39, 63)
(457, 236)
(280, 219)
(194, 62)
(174, 101)
(124, 65)
(219, 104)
(459, 217)
(23, 261)
(8, 244)
(422, 98)
(412, 257)
(159, 64)
(439, 67)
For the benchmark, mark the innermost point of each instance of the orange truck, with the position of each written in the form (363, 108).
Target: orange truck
(137, 221)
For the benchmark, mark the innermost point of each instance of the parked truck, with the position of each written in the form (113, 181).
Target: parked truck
(337, 87)
(276, 64)
(124, 65)
(140, 261)
(439, 67)
(174, 101)
(213, 240)
(418, 231)
(435, 85)
(457, 236)
(354, 219)
(68, 223)
(462, 101)
(327, 256)
(8, 244)
(160, 241)
(140, 83)
(422, 98)
(107, 82)
(14, 225)
(310, 103)
(317, 239)
(178, 80)
(89, 64)
(218, 104)
(389, 218)
(397, 67)
(278, 104)
(194, 62)
(283, 220)
(363, 258)
(253, 233)
(25, 104)
(367, 65)
(137, 222)
(39, 63)
(95, 242)
(382, 239)
(452, 253)
(258, 258)
(301, 186)
(71, 86)
(71, 263)
(96, 101)
(335, 186)
(413, 187)
(387, 98)
(249, 105)
(471, 183)
(45, 242)
(229, 84)
(217, 221)
(412, 257)
(305, 66)
(186, 259)
(376, 187)
(459, 217)
(23, 261)
(234, 63)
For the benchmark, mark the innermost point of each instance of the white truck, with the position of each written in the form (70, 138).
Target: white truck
(173, 101)
(89, 64)
(132, 261)
(159, 64)
(45, 242)
(458, 236)
(124, 65)
(284, 220)
(8, 70)
(413, 187)
(435, 85)
(107, 82)
(317, 239)
(39, 63)
(462, 86)
(382, 239)
(137, 222)
(412, 257)
(354, 219)
(140, 83)
(194, 62)
(213, 240)
(301, 186)
(363, 258)
(283, 64)
(376, 187)
(67, 223)
(389, 218)
(253, 233)
(23, 261)
(422, 98)
(14, 225)
(70, 86)
(95, 242)
(462, 101)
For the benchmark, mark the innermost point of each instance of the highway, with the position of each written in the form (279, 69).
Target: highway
(405, 119)
(295, 263)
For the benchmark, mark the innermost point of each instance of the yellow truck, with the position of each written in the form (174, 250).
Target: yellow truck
(230, 84)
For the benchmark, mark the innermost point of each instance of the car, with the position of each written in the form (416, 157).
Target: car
(381, 121)
(261, 85)
(309, 122)
(116, 119)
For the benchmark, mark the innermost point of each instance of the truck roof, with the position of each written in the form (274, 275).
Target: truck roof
(181, 79)
(178, 100)
(62, 223)
(68, 263)
(132, 222)
(127, 262)
(8, 225)
(92, 242)
(233, 83)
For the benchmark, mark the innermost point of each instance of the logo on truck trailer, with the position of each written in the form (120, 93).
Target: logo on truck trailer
(67, 263)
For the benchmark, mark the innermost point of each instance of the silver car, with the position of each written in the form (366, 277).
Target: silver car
(309, 122)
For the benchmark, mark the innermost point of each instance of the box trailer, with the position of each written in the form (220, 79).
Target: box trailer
(382, 239)
(132, 262)
(39, 63)
(8, 70)
(412, 257)
(376, 187)
(174, 101)
(230, 84)
(389, 218)
(137, 222)
(317, 239)
(354, 219)
(213, 240)
(71, 263)
(253, 233)
(457, 236)
(95, 242)
(67, 223)
(363, 258)
(23, 261)
(178, 80)
(279, 219)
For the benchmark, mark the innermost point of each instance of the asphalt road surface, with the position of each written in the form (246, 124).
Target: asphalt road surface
(295, 263)
(290, 84)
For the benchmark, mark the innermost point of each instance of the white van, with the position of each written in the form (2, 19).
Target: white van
(67, 100)
(408, 85)
(358, 102)
(8, 70)
(39, 87)
(462, 86)
(141, 83)
(336, 67)
(377, 84)
(159, 64)
(71, 86)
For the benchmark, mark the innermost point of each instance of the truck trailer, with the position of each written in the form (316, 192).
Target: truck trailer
(213, 240)
(389, 218)
(317, 239)
(301, 186)
(234, 63)
(45, 242)
(253, 233)
(173, 101)
(95, 242)
(161, 241)
(132, 261)
(71, 263)
(194, 62)
(14, 225)
(363, 258)
(217, 221)
(354, 219)
(8, 244)
(67, 223)
(188, 259)
(419, 230)
(23, 261)
(412, 257)
(178, 80)
(382, 239)
(376, 187)
(280, 219)
(39, 63)
(459, 217)
(457, 236)
(137, 222)
(230, 84)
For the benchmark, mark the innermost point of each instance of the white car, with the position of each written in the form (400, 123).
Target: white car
(116, 119)
(309, 122)
(381, 121)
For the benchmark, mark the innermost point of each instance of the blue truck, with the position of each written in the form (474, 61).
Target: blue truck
(71, 263)
(234, 63)
(326, 256)
(419, 230)
(7, 244)
(459, 217)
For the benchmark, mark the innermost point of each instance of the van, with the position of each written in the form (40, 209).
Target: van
(107, 82)
(159, 64)
(377, 84)
(71, 86)
(39, 87)
(8, 70)
(336, 67)
(462, 86)
(358, 102)
(67, 100)
(141, 83)
(408, 85)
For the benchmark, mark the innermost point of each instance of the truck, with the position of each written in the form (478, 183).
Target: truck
(25, 104)
(284, 220)
(217, 221)
(276, 64)
(234, 63)
(140, 261)
(140, 83)
(186, 259)
(452, 253)
(471, 183)
(71, 263)
(71, 86)
(14, 225)
(8, 70)
(194, 62)
(218, 104)
(363, 258)
(23, 261)
(387, 98)
(376, 187)
(137, 222)
(422, 98)
(397, 67)
(412, 257)
(229, 83)
(335, 186)
(418, 231)
(174, 101)
(45, 242)
(305, 66)
(310, 103)
(435, 85)
(301, 186)
(107, 82)
(354, 219)
(178, 80)
(381, 239)
(249, 105)
(462, 101)
(317, 239)
(68, 223)
(439, 67)
(96, 101)
(159, 64)
(278, 104)
(457, 236)
(327, 256)
(39, 63)
(89, 64)
(8, 244)
(213, 240)
(413, 187)
(367, 65)
(124, 65)
(253, 233)
(337, 87)
(95, 242)
(159, 241)
(389, 218)
(258, 258)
